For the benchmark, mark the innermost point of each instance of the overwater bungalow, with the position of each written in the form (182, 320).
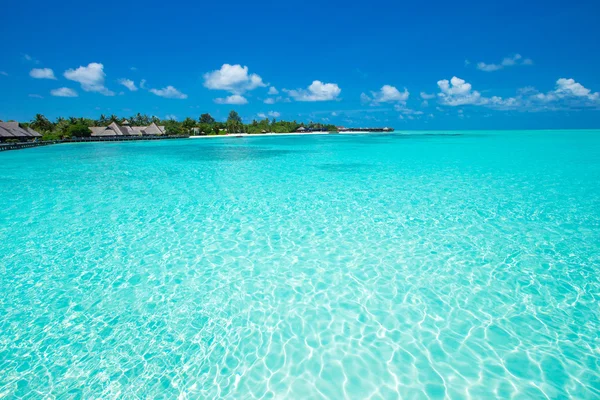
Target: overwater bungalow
(13, 131)
(125, 129)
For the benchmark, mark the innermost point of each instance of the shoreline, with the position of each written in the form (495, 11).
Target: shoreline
(259, 134)
(283, 134)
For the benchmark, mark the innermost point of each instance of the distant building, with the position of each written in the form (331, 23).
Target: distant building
(301, 129)
(125, 130)
(12, 130)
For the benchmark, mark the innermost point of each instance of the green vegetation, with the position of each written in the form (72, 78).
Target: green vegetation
(65, 128)
(79, 130)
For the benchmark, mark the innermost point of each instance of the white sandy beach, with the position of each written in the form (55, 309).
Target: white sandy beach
(279, 134)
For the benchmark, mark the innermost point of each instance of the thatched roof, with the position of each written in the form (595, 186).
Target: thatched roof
(154, 129)
(118, 129)
(137, 130)
(97, 130)
(115, 130)
(33, 133)
(12, 130)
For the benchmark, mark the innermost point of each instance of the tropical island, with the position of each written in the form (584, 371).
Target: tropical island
(78, 127)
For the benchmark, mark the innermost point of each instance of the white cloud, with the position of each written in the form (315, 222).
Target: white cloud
(568, 87)
(567, 95)
(91, 78)
(387, 94)
(27, 57)
(427, 96)
(273, 114)
(278, 99)
(128, 83)
(233, 99)
(317, 91)
(516, 59)
(171, 117)
(488, 67)
(273, 90)
(169, 92)
(133, 68)
(401, 108)
(457, 92)
(63, 92)
(143, 84)
(232, 78)
(42, 73)
(36, 96)
(510, 61)
(334, 114)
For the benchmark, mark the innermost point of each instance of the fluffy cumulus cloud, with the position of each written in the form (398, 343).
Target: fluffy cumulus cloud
(317, 91)
(91, 78)
(387, 94)
(273, 90)
(569, 88)
(232, 78)
(567, 95)
(427, 96)
(128, 83)
(457, 92)
(233, 99)
(169, 92)
(516, 59)
(42, 73)
(63, 92)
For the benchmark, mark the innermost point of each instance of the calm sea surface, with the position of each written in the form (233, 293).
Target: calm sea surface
(341, 266)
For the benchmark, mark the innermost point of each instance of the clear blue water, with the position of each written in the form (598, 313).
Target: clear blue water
(341, 266)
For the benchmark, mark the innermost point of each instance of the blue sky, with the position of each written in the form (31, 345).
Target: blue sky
(417, 65)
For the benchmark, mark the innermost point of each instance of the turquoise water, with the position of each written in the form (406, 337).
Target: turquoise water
(340, 266)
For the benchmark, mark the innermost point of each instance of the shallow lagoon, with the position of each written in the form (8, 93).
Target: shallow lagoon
(340, 266)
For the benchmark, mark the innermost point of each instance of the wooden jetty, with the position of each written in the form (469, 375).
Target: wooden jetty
(386, 129)
(27, 145)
